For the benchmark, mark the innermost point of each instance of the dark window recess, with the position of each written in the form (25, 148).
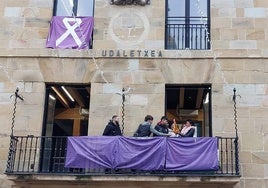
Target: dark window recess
(66, 114)
(67, 110)
(190, 102)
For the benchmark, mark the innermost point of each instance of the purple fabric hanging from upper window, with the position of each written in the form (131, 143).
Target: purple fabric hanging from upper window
(151, 153)
(70, 32)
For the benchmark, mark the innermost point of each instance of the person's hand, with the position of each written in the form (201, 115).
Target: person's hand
(169, 134)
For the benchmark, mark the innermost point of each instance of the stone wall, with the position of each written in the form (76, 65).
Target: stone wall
(238, 59)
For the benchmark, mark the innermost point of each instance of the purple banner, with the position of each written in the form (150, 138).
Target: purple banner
(151, 153)
(91, 152)
(198, 153)
(144, 154)
(70, 32)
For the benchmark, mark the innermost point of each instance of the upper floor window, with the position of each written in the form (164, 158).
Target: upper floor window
(71, 25)
(73, 7)
(187, 24)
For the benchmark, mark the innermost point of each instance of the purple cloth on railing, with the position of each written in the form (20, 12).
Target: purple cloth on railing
(150, 153)
(91, 152)
(70, 32)
(192, 154)
(144, 154)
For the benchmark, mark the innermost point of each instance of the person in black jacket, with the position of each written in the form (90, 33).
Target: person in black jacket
(113, 127)
(162, 126)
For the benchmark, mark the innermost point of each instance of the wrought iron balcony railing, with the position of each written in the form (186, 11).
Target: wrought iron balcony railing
(182, 34)
(46, 155)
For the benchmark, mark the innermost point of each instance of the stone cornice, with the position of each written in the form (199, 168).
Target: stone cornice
(133, 54)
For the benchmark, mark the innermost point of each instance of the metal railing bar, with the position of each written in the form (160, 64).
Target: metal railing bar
(35, 152)
(186, 35)
(26, 153)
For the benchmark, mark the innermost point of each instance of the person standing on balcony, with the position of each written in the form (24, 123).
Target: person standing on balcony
(188, 129)
(146, 128)
(174, 129)
(162, 126)
(113, 127)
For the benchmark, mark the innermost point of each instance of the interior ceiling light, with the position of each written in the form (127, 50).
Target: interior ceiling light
(207, 98)
(67, 93)
(60, 95)
(52, 97)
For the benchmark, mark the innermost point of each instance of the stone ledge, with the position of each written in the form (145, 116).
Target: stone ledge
(123, 179)
(131, 54)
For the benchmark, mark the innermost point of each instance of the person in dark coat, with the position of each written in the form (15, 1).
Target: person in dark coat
(113, 127)
(162, 126)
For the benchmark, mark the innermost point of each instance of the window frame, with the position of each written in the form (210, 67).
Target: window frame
(75, 8)
(74, 14)
(186, 43)
(59, 105)
(206, 123)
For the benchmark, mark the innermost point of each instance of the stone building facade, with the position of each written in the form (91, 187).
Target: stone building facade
(129, 52)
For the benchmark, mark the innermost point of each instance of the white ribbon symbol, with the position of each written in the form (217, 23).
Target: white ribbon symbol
(70, 30)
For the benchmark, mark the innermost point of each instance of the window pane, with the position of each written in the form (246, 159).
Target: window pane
(85, 8)
(176, 8)
(187, 24)
(64, 8)
(198, 20)
(198, 9)
(203, 4)
(175, 29)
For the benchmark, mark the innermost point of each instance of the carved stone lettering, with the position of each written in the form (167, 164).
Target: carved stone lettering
(131, 53)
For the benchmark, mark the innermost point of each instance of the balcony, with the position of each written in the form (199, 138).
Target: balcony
(37, 158)
(187, 33)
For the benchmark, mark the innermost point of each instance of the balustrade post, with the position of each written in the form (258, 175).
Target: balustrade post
(236, 135)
